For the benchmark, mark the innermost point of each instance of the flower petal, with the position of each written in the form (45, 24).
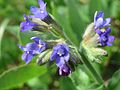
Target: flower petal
(26, 18)
(31, 46)
(60, 61)
(108, 30)
(107, 22)
(111, 38)
(98, 32)
(67, 57)
(27, 57)
(53, 55)
(35, 39)
(34, 10)
(22, 47)
(39, 49)
(25, 26)
(99, 22)
(98, 15)
(64, 70)
(41, 3)
(39, 12)
(109, 44)
(66, 47)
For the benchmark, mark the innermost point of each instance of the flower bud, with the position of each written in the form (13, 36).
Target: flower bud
(90, 44)
(64, 70)
(41, 26)
(51, 43)
(89, 32)
(44, 57)
(74, 57)
(90, 37)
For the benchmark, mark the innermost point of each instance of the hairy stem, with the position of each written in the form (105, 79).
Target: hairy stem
(90, 67)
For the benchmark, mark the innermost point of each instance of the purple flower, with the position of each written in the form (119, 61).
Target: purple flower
(64, 70)
(60, 54)
(32, 49)
(27, 55)
(27, 25)
(104, 38)
(39, 12)
(40, 45)
(99, 22)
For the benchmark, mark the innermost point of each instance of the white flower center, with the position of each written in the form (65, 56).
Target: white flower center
(40, 46)
(41, 11)
(104, 38)
(27, 52)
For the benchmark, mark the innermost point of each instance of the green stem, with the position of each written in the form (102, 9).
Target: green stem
(90, 67)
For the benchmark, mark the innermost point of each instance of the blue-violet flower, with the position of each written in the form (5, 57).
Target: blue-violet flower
(104, 38)
(32, 49)
(27, 25)
(64, 70)
(99, 22)
(39, 12)
(60, 54)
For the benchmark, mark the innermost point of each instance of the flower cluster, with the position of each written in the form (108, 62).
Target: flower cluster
(41, 12)
(97, 34)
(61, 55)
(102, 29)
(33, 21)
(60, 51)
(99, 22)
(63, 52)
(32, 49)
(27, 25)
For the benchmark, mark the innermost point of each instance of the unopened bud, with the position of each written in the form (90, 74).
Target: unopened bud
(51, 43)
(44, 57)
(90, 38)
(89, 32)
(41, 26)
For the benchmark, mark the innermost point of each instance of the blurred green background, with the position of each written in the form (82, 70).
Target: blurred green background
(74, 16)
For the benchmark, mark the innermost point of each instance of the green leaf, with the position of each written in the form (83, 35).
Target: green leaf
(66, 84)
(14, 30)
(67, 29)
(79, 77)
(83, 81)
(114, 83)
(59, 12)
(95, 5)
(19, 75)
(99, 5)
(9, 49)
(76, 20)
(2, 29)
(115, 8)
(24, 37)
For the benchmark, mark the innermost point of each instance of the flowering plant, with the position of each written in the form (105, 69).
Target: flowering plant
(61, 50)
(59, 45)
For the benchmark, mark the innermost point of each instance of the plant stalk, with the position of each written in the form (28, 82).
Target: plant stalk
(90, 67)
